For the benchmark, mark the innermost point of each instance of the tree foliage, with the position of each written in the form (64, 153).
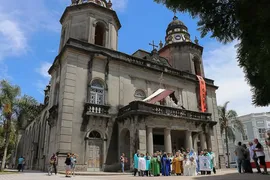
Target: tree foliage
(14, 107)
(228, 120)
(243, 20)
(229, 123)
(12, 141)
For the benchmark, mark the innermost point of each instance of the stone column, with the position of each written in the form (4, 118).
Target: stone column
(104, 151)
(209, 140)
(195, 141)
(150, 143)
(168, 140)
(203, 141)
(188, 142)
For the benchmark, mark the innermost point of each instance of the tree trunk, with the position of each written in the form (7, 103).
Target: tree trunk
(227, 146)
(6, 144)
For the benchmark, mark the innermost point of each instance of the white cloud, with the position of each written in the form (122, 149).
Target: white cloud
(43, 70)
(221, 65)
(119, 5)
(12, 39)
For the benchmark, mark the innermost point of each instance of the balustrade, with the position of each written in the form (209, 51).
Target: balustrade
(96, 109)
(143, 107)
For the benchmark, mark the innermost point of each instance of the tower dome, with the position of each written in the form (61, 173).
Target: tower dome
(177, 32)
(102, 3)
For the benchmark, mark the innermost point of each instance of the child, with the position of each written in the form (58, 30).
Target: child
(142, 165)
(186, 165)
(192, 167)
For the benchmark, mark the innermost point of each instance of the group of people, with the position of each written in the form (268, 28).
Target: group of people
(70, 162)
(183, 162)
(245, 154)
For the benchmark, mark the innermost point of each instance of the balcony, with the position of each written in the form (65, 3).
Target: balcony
(96, 109)
(143, 108)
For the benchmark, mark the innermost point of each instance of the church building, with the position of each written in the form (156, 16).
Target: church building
(101, 102)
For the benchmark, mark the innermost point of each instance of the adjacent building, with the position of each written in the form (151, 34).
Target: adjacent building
(101, 102)
(255, 126)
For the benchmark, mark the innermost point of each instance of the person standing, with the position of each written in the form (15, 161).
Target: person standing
(68, 164)
(148, 164)
(122, 161)
(213, 159)
(260, 154)
(155, 168)
(142, 165)
(253, 156)
(177, 164)
(53, 162)
(267, 140)
(20, 164)
(136, 162)
(246, 164)
(239, 152)
(73, 164)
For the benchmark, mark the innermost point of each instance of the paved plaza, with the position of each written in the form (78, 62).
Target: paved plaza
(221, 175)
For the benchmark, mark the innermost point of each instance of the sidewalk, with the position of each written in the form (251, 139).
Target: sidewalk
(98, 173)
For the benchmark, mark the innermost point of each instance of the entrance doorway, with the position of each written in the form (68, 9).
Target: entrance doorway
(125, 146)
(95, 144)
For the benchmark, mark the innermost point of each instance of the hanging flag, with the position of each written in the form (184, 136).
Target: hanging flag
(202, 94)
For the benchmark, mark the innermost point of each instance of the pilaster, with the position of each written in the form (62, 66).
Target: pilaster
(150, 143)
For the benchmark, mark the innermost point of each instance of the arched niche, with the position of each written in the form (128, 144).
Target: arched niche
(197, 66)
(125, 146)
(139, 94)
(100, 33)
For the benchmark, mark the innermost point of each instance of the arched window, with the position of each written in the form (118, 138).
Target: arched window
(197, 66)
(139, 94)
(97, 92)
(94, 135)
(100, 34)
(56, 94)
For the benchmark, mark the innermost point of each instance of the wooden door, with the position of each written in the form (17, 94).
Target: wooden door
(95, 155)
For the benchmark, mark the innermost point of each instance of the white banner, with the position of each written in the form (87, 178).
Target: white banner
(205, 163)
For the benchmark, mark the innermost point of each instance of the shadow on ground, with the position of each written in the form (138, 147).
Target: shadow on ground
(233, 176)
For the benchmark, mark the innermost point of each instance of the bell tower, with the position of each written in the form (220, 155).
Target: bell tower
(181, 52)
(92, 21)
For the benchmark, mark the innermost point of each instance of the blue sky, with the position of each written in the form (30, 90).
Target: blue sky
(29, 40)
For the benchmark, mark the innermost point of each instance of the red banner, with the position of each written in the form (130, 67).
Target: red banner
(202, 94)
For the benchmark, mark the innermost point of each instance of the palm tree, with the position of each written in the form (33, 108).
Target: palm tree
(228, 123)
(12, 106)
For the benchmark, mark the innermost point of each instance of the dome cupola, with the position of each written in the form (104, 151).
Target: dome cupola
(177, 32)
(102, 3)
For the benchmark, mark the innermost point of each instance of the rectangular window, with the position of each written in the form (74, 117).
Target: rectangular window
(245, 136)
(261, 133)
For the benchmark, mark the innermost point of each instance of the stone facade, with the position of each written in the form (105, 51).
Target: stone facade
(93, 104)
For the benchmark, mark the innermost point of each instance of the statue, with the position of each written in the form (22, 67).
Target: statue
(196, 40)
(160, 44)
